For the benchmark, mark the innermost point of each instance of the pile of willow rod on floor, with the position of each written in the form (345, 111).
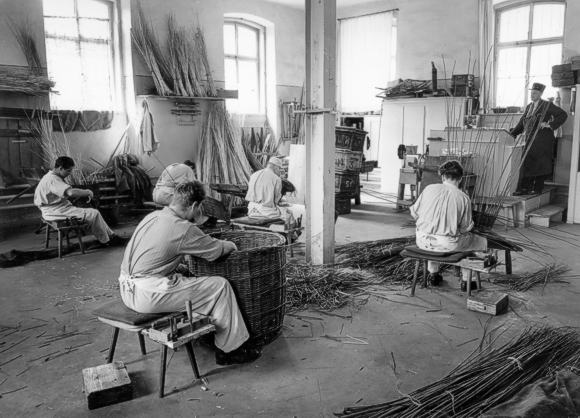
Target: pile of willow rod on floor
(359, 266)
(325, 287)
(526, 281)
(485, 379)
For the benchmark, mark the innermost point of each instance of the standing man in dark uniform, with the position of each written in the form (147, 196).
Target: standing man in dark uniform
(541, 118)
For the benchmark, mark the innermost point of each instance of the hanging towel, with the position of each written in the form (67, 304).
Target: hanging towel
(147, 136)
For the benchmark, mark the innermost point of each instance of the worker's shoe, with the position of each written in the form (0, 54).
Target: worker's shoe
(464, 285)
(243, 354)
(435, 279)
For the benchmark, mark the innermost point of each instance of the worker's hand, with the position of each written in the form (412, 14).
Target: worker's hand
(544, 125)
(89, 195)
(230, 247)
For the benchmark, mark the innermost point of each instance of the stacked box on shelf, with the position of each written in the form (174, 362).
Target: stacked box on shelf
(563, 75)
(347, 164)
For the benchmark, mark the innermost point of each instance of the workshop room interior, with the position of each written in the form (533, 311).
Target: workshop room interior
(289, 208)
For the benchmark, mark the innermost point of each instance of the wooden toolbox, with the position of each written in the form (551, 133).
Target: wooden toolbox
(107, 384)
(493, 303)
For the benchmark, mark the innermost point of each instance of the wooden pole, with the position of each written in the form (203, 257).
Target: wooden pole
(320, 123)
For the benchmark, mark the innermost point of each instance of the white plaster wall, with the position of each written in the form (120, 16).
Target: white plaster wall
(429, 30)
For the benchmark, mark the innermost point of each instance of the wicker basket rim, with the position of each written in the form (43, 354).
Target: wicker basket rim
(281, 239)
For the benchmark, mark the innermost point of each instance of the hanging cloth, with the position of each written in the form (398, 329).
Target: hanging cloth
(147, 137)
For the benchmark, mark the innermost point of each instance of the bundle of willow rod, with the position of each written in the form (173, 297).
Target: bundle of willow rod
(325, 287)
(147, 44)
(23, 80)
(372, 254)
(184, 69)
(23, 34)
(485, 379)
(181, 62)
(222, 158)
(526, 281)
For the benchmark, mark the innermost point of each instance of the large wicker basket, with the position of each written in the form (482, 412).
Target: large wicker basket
(257, 274)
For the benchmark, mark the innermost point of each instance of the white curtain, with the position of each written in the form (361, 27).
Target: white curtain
(367, 49)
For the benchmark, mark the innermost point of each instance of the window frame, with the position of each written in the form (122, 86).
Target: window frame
(114, 58)
(500, 8)
(260, 60)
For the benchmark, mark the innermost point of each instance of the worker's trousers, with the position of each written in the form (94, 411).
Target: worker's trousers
(96, 225)
(211, 296)
(445, 244)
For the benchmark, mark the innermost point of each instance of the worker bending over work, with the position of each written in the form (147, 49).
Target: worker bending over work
(264, 195)
(173, 175)
(52, 196)
(149, 282)
(444, 219)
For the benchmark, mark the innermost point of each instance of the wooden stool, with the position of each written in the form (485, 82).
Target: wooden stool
(419, 255)
(117, 315)
(64, 227)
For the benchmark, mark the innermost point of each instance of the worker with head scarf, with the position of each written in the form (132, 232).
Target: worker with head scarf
(173, 175)
(538, 123)
(444, 219)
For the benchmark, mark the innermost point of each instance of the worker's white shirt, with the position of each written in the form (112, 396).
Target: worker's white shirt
(444, 210)
(264, 193)
(50, 193)
(161, 239)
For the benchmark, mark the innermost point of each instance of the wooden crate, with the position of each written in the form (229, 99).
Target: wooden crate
(345, 183)
(350, 138)
(347, 161)
(107, 384)
(493, 303)
(342, 205)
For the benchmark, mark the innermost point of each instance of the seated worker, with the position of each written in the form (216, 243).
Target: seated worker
(265, 192)
(444, 219)
(52, 194)
(170, 177)
(149, 282)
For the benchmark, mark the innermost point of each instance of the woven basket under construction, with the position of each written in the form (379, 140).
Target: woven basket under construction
(257, 274)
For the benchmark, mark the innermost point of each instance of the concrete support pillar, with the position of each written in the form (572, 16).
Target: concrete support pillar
(320, 123)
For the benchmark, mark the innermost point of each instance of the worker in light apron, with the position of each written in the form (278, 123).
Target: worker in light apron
(444, 219)
(149, 282)
(264, 196)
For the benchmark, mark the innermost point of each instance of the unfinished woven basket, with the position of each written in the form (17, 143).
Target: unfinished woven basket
(257, 274)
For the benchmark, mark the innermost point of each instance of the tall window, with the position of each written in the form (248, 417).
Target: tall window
(79, 50)
(244, 66)
(528, 43)
(367, 52)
